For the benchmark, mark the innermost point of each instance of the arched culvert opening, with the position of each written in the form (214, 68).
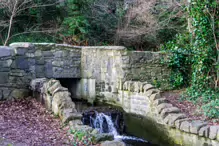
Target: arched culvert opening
(73, 85)
(80, 89)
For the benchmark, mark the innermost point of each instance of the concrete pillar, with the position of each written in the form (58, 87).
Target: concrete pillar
(91, 90)
(84, 88)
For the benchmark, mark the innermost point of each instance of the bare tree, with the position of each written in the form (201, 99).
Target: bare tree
(145, 18)
(13, 8)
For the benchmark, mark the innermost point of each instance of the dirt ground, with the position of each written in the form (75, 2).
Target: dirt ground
(193, 111)
(27, 123)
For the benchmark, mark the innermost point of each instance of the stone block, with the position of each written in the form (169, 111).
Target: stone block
(53, 85)
(22, 45)
(69, 115)
(103, 137)
(6, 51)
(5, 63)
(38, 53)
(169, 110)
(4, 77)
(47, 53)
(1, 95)
(155, 96)
(59, 89)
(20, 62)
(196, 125)
(61, 100)
(40, 60)
(217, 135)
(150, 92)
(49, 70)
(125, 59)
(17, 73)
(185, 126)
(40, 71)
(137, 86)
(37, 84)
(213, 130)
(58, 54)
(21, 51)
(179, 121)
(163, 106)
(172, 117)
(160, 101)
(20, 93)
(204, 131)
(148, 87)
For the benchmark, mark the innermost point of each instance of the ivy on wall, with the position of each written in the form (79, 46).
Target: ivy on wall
(194, 56)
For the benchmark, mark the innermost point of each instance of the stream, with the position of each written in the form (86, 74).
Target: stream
(107, 119)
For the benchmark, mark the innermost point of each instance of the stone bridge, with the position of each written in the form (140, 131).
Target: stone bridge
(86, 71)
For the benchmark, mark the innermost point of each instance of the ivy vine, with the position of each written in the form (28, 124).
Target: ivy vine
(194, 57)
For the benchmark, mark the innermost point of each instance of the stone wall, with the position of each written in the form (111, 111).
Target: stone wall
(143, 99)
(57, 61)
(57, 99)
(15, 72)
(22, 62)
(110, 66)
(100, 69)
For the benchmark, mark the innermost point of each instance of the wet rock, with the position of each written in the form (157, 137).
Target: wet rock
(113, 143)
(103, 137)
(196, 125)
(213, 130)
(94, 132)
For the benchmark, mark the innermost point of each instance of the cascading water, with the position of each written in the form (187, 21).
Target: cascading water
(104, 124)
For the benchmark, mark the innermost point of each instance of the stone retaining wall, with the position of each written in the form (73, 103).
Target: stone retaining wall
(58, 100)
(143, 99)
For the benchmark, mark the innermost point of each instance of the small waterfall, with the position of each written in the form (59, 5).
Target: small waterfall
(104, 124)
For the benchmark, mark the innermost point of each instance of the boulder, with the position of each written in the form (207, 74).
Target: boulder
(102, 137)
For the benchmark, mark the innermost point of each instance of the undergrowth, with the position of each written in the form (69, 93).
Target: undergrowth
(193, 57)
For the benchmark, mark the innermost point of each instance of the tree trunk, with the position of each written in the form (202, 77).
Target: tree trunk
(11, 23)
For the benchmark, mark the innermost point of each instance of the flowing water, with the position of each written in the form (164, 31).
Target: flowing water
(108, 119)
(105, 124)
(98, 123)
